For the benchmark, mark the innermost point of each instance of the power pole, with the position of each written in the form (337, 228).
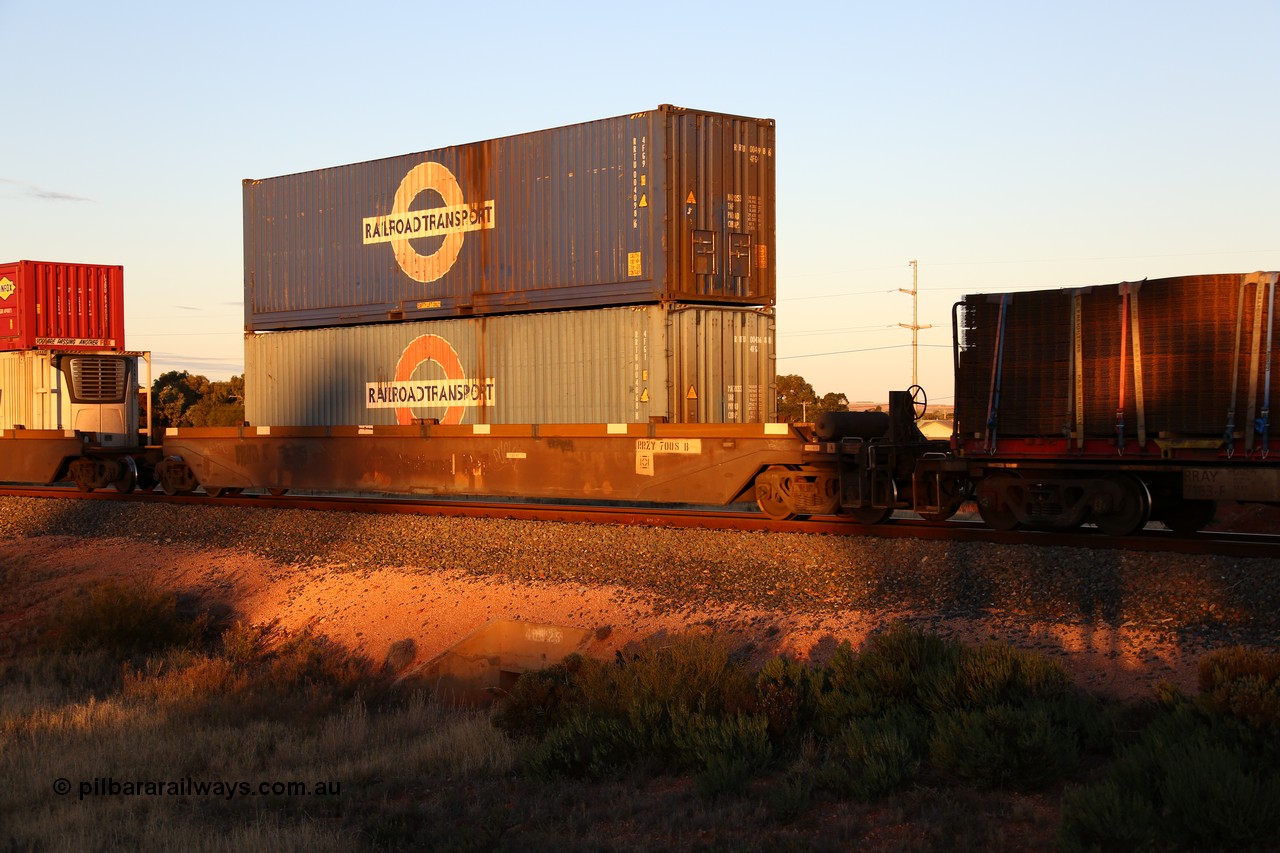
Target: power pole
(915, 326)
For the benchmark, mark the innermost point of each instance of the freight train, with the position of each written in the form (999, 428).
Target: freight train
(427, 325)
(1110, 405)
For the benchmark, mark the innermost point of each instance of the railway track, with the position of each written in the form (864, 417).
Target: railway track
(1223, 543)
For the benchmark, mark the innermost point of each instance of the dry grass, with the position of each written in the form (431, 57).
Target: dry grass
(197, 702)
(134, 735)
(165, 721)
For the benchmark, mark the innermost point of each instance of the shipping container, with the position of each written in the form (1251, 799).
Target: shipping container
(669, 205)
(91, 394)
(1192, 357)
(677, 363)
(61, 306)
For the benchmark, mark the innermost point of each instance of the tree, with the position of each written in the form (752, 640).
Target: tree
(795, 398)
(172, 394)
(833, 401)
(179, 398)
(221, 405)
(798, 402)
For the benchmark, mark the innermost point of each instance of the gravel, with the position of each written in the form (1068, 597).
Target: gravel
(1197, 601)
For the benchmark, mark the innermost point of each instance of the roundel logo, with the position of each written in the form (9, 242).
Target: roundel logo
(455, 393)
(402, 226)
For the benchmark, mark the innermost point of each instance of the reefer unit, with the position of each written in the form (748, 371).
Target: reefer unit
(680, 363)
(61, 306)
(1192, 357)
(664, 205)
(94, 394)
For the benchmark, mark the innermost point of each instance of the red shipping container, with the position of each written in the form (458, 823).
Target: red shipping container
(50, 305)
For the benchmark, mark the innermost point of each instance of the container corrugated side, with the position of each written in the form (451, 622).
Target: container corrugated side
(614, 365)
(663, 205)
(54, 305)
(25, 391)
(1186, 340)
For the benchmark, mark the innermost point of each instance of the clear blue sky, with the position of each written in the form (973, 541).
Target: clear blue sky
(1003, 145)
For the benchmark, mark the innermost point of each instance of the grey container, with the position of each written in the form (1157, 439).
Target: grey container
(681, 363)
(665, 205)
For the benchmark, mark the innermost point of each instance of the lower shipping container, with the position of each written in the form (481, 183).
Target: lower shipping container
(47, 305)
(678, 363)
(93, 394)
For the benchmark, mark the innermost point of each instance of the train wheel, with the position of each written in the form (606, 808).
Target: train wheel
(222, 491)
(950, 498)
(127, 481)
(1188, 516)
(771, 494)
(870, 514)
(943, 514)
(175, 477)
(1130, 510)
(277, 493)
(992, 494)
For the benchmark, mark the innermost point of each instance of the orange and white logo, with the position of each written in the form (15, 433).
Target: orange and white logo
(451, 221)
(454, 393)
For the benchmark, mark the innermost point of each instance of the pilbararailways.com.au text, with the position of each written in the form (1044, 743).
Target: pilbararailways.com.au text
(225, 788)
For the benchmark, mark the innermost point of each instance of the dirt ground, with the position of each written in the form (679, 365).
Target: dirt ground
(370, 610)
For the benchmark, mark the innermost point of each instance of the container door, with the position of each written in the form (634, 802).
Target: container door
(721, 188)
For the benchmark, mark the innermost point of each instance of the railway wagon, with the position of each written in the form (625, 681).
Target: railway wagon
(669, 363)
(665, 205)
(61, 306)
(1119, 403)
(72, 415)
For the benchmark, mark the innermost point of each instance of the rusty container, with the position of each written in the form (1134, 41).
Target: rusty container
(1187, 357)
(674, 363)
(669, 204)
(61, 306)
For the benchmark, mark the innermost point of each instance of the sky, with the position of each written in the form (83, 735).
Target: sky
(1002, 146)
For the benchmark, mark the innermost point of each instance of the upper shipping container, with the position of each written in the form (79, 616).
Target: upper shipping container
(47, 305)
(670, 205)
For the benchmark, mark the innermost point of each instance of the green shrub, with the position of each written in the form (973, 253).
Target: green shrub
(791, 795)
(994, 674)
(786, 694)
(581, 747)
(875, 755)
(125, 619)
(1211, 779)
(1018, 746)
(1216, 794)
(696, 671)
(303, 676)
(896, 667)
(705, 739)
(541, 700)
(1244, 683)
(1107, 816)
